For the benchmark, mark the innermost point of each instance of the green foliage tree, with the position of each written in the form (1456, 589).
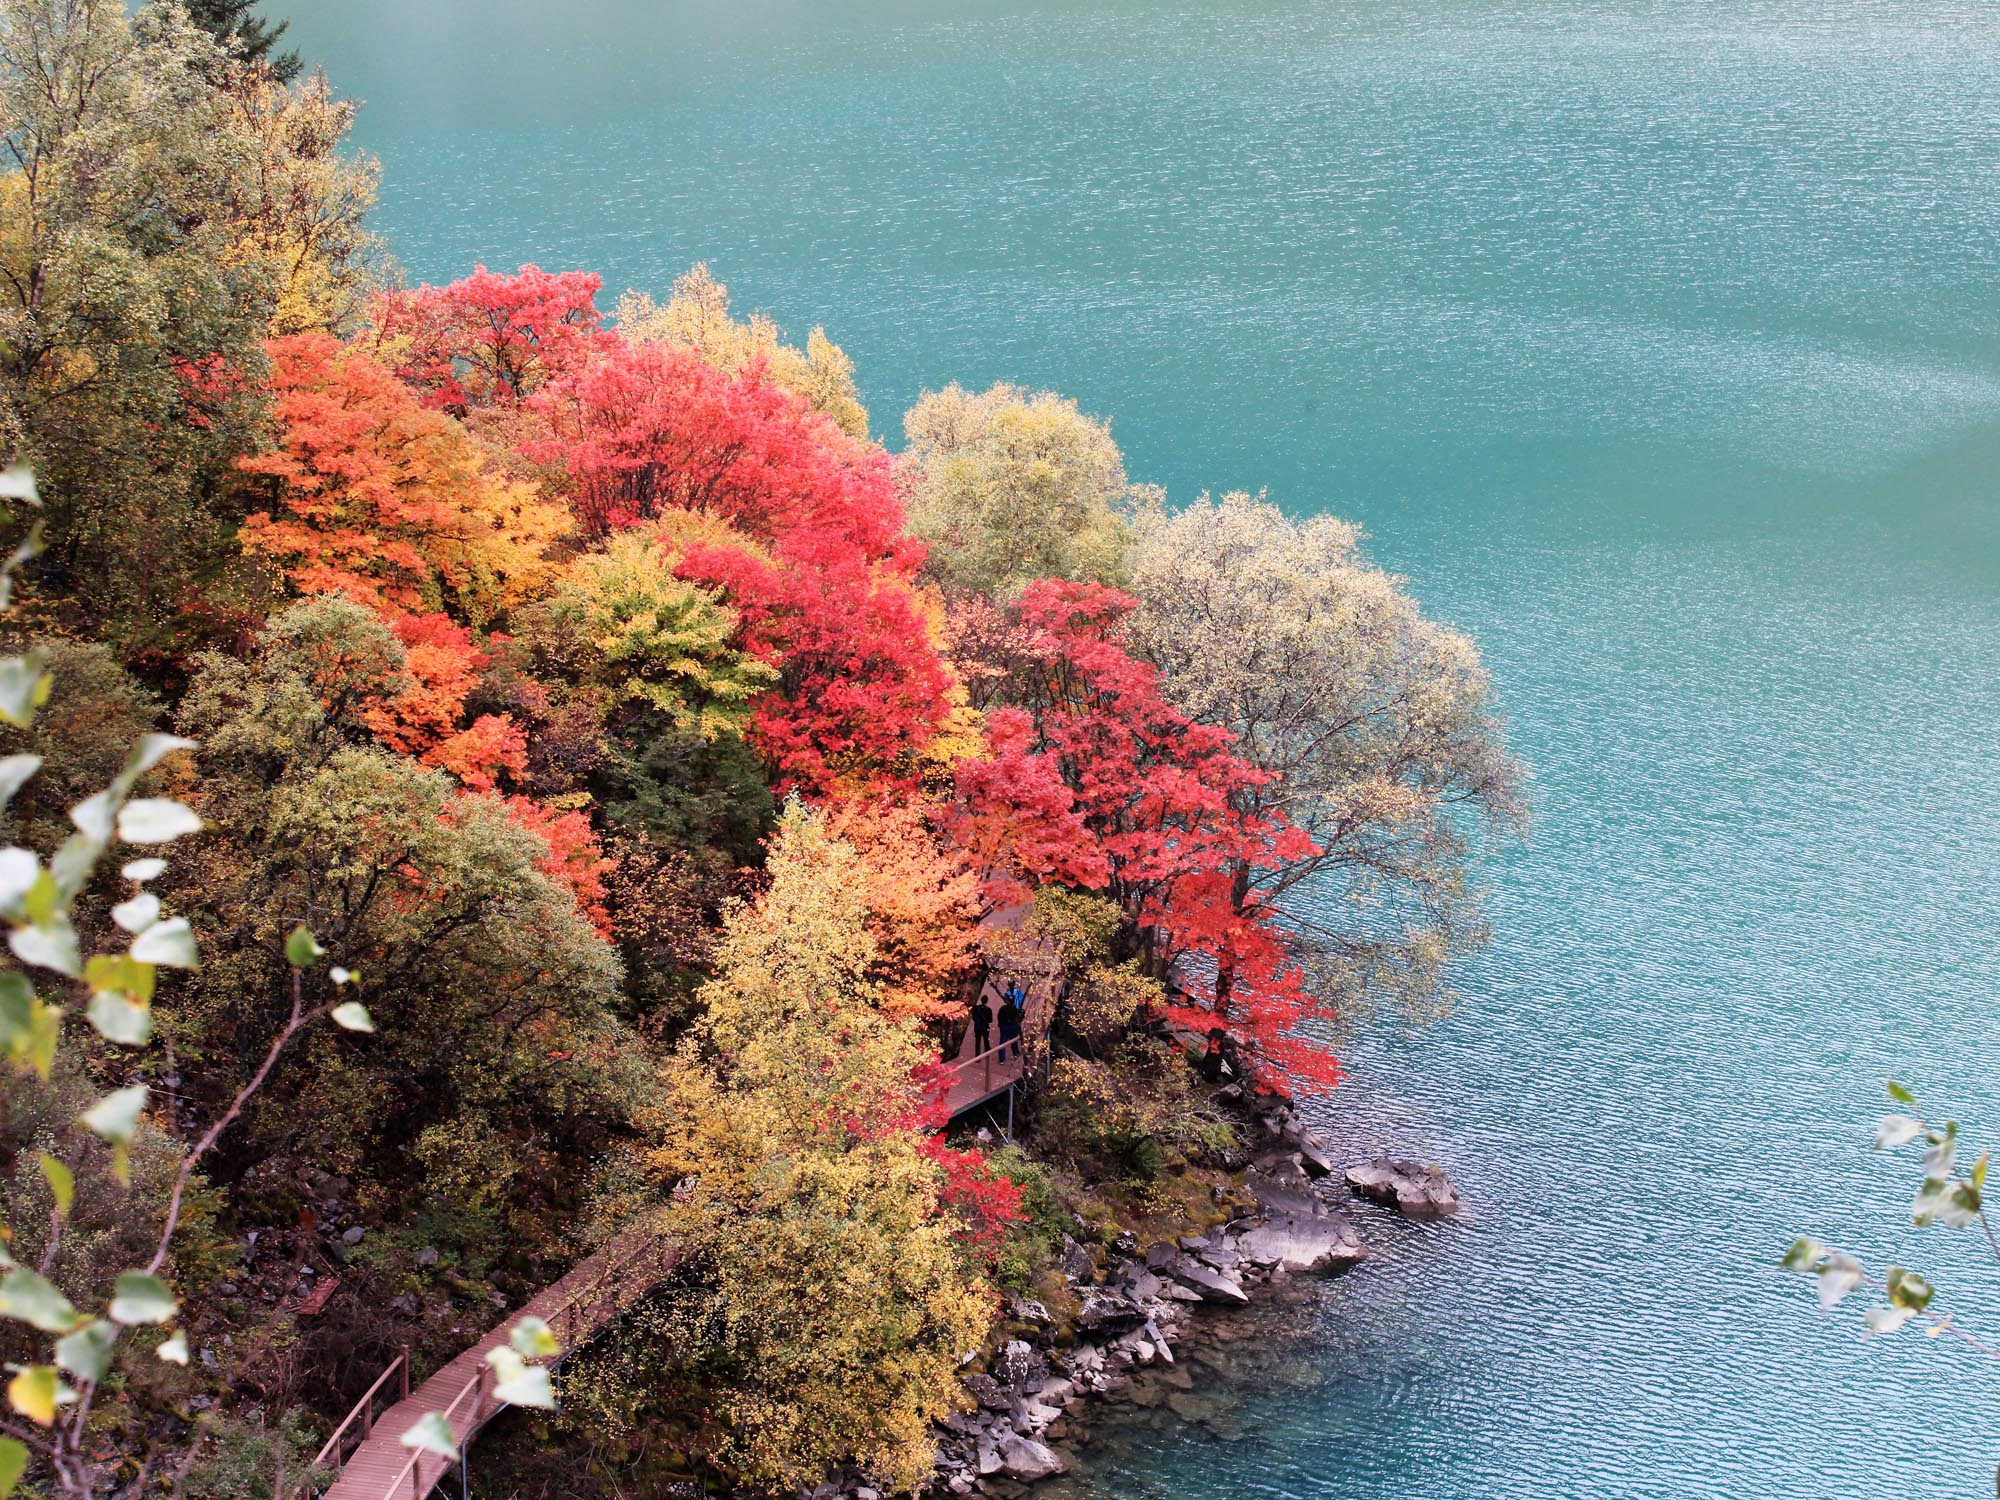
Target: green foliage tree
(163, 211)
(636, 694)
(497, 1047)
(129, 333)
(301, 215)
(236, 25)
(1008, 486)
(93, 1309)
(1376, 726)
(81, 736)
(649, 637)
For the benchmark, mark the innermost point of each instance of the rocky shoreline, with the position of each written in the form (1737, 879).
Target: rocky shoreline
(1138, 1305)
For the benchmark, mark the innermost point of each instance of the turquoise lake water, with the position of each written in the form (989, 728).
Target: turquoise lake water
(1660, 347)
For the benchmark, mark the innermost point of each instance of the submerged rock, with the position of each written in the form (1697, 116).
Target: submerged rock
(1414, 1189)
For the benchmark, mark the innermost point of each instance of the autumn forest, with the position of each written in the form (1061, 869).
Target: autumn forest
(587, 765)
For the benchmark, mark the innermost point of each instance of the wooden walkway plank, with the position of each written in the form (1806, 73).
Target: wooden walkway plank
(978, 1077)
(593, 1294)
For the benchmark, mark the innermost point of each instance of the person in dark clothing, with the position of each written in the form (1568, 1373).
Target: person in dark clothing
(1232, 1065)
(1010, 1021)
(982, 1025)
(1211, 1057)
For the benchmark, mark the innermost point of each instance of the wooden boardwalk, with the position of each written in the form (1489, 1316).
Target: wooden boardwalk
(978, 1077)
(597, 1291)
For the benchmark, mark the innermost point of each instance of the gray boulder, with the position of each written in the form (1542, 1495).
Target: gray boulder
(1020, 1368)
(1214, 1285)
(1221, 1257)
(1416, 1190)
(1075, 1262)
(1312, 1154)
(988, 1392)
(1107, 1311)
(1025, 1310)
(1283, 1192)
(1025, 1459)
(1296, 1243)
(1141, 1286)
(1102, 1310)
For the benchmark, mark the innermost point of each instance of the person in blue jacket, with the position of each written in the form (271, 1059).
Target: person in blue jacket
(1012, 1003)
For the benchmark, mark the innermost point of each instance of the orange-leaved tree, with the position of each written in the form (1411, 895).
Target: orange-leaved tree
(923, 905)
(373, 495)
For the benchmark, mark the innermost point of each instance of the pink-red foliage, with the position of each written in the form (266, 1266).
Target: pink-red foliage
(491, 339)
(645, 427)
(986, 1201)
(861, 688)
(822, 583)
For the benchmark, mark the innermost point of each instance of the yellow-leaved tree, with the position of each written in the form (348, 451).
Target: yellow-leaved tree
(696, 316)
(300, 206)
(1008, 486)
(828, 1293)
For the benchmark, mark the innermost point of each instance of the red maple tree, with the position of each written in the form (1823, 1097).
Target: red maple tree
(1095, 781)
(491, 339)
(809, 550)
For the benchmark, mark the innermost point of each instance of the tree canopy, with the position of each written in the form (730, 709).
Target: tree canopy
(1374, 730)
(640, 769)
(236, 24)
(1008, 487)
(696, 316)
(834, 1293)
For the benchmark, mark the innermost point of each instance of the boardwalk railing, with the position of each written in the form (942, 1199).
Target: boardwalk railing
(983, 1079)
(978, 1078)
(335, 1451)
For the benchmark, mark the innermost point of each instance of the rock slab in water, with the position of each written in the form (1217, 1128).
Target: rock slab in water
(1301, 1244)
(1413, 1189)
(1214, 1285)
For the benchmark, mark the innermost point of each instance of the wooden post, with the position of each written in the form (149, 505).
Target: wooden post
(406, 1372)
